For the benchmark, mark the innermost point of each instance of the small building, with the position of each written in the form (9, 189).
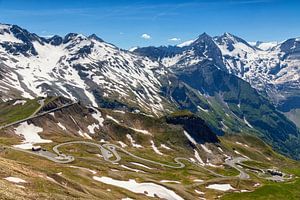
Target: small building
(36, 148)
(274, 172)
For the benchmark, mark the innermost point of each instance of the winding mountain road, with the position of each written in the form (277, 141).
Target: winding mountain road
(109, 151)
(233, 163)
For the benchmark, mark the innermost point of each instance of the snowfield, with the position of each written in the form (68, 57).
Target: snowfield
(189, 137)
(61, 126)
(22, 102)
(206, 149)
(198, 158)
(155, 148)
(221, 187)
(149, 189)
(15, 179)
(47, 65)
(141, 165)
(30, 134)
(123, 145)
(170, 181)
(133, 142)
(98, 116)
(132, 169)
(141, 131)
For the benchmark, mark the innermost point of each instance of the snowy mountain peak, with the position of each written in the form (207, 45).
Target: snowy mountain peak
(74, 37)
(77, 67)
(229, 36)
(229, 41)
(55, 40)
(4, 27)
(95, 37)
(203, 37)
(290, 46)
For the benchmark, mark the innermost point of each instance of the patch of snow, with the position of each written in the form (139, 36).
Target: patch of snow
(98, 116)
(92, 127)
(170, 181)
(197, 156)
(123, 145)
(140, 165)
(15, 179)
(256, 185)
(165, 147)
(113, 119)
(30, 135)
(119, 111)
(199, 192)
(221, 187)
(198, 180)
(245, 191)
(169, 61)
(208, 163)
(242, 144)
(204, 110)
(237, 152)
(9, 37)
(155, 148)
(133, 142)
(61, 126)
(85, 135)
(102, 141)
(132, 169)
(19, 102)
(246, 122)
(206, 149)
(267, 45)
(99, 155)
(189, 137)
(149, 189)
(141, 131)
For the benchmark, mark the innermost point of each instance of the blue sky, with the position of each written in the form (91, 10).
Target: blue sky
(125, 22)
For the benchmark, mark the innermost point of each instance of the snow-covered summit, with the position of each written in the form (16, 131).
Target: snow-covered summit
(77, 67)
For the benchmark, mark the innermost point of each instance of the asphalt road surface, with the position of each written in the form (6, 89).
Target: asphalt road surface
(110, 154)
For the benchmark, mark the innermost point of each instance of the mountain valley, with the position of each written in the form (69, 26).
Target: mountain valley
(214, 118)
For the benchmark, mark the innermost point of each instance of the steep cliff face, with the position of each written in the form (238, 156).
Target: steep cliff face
(195, 127)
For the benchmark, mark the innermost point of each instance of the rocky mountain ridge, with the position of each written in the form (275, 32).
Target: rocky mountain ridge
(155, 81)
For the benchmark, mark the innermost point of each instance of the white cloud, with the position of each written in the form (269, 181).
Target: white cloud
(47, 36)
(146, 36)
(174, 39)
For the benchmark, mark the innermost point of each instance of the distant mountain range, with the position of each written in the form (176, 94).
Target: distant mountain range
(234, 86)
(272, 68)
